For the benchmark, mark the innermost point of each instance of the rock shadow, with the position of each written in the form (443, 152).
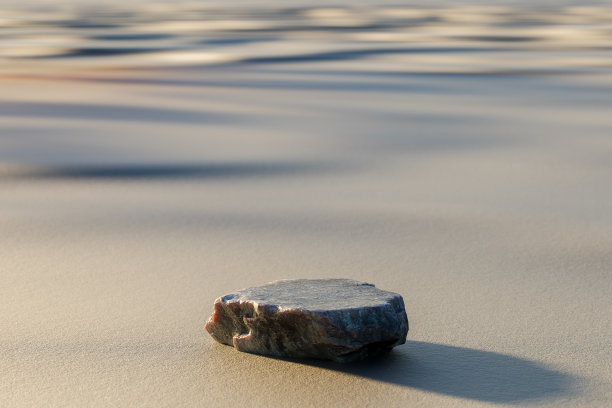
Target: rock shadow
(462, 372)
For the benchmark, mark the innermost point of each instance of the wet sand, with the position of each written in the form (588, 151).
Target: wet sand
(153, 159)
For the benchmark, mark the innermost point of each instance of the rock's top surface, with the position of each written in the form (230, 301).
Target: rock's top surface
(314, 294)
(338, 319)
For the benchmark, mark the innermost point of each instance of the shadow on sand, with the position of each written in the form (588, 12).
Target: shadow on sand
(461, 372)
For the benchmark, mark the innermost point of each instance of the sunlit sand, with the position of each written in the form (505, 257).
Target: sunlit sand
(154, 157)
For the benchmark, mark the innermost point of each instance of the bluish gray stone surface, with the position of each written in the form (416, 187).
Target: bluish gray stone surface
(337, 319)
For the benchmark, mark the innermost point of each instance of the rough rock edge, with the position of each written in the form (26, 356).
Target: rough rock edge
(288, 332)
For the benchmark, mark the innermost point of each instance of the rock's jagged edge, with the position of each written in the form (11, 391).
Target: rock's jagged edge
(288, 332)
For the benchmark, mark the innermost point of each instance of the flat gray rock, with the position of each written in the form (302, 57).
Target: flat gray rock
(336, 319)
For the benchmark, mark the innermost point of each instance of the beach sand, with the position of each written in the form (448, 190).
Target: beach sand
(153, 161)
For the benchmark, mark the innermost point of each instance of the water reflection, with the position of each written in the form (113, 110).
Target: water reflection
(166, 36)
(162, 171)
(106, 112)
(222, 84)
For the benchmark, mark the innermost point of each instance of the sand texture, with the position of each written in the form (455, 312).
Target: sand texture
(155, 158)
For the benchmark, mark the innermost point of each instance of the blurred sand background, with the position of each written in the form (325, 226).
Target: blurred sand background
(156, 156)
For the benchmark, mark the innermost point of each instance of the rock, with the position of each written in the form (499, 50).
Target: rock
(337, 319)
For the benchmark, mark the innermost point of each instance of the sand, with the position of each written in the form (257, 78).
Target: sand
(457, 156)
